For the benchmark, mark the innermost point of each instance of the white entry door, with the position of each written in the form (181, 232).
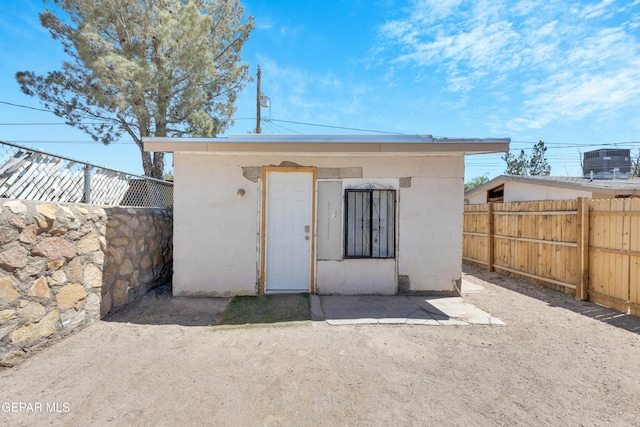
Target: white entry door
(288, 231)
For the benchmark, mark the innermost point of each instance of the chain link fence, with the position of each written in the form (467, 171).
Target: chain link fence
(30, 174)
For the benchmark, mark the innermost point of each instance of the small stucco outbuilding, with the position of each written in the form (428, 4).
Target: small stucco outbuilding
(514, 188)
(327, 214)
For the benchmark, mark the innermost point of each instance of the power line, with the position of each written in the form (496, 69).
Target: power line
(44, 124)
(549, 144)
(281, 127)
(268, 126)
(242, 118)
(25, 106)
(329, 126)
(38, 141)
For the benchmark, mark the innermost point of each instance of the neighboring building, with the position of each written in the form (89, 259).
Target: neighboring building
(329, 214)
(514, 188)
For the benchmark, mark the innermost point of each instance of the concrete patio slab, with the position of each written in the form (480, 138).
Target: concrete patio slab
(354, 321)
(393, 321)
(453, 322)
(431, 322)
(400, 309)
(456, 308)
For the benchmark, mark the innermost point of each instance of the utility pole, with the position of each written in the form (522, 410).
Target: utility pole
(258, 95)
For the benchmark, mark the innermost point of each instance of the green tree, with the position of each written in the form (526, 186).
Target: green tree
(536, 164)
(635, 164)
(476, 182)
(144, 68)
(515, 165)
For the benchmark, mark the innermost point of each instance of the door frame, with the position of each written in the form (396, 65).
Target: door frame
(263, 227)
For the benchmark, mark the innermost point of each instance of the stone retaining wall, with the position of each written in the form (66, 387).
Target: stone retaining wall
(139, 254)
(64, 266)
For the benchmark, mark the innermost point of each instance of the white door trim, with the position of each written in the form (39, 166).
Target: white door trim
(263, 259)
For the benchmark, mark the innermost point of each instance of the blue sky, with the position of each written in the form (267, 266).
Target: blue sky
(567, 73)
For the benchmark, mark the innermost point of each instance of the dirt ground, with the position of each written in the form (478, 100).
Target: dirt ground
(557, 361)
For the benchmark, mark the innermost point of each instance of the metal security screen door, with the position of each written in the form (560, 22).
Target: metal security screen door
(288, 231)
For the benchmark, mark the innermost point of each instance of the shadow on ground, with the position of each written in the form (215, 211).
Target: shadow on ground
(558, 299)
(159, 307)
(380, 307)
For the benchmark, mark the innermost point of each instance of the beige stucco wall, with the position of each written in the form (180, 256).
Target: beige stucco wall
(217, 233)
(477, 198)
(215, 230)
(523, 192)
(431, 232)
(356, 276)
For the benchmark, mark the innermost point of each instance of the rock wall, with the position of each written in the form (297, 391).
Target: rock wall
(139, 254)
(64, 266)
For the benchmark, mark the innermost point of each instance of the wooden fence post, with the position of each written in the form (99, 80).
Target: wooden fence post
(582, 287)
(490, 236)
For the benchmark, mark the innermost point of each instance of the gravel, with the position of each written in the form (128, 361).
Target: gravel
(557, 361)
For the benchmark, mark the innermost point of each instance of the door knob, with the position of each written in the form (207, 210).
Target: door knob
(306, 237)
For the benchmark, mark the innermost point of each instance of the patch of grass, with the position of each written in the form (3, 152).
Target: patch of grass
(267, 309)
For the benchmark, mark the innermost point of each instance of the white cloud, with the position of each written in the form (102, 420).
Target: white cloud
(432, 10)
(264, 25)
(597, 10)
(525, 7)
(564, 61)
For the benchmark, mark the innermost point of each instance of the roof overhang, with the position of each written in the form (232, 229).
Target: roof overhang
(386, 144)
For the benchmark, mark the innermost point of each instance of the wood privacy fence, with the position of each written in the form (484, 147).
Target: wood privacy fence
(588, 248)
